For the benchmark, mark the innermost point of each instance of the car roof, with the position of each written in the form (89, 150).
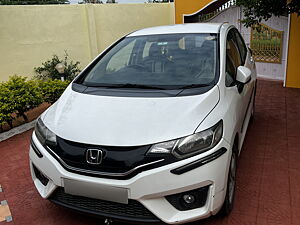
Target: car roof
(179, 28)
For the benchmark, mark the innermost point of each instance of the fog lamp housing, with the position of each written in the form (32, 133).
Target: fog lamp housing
(189, 200)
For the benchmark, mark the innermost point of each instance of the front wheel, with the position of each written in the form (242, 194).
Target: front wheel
(231, 180)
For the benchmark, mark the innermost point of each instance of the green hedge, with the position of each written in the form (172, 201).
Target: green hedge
(18, 95)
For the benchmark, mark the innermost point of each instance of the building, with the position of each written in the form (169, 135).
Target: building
(277, 59)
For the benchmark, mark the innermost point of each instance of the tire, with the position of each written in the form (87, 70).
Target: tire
(231, 181)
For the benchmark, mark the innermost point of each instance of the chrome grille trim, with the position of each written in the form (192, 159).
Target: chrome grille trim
(101, 173)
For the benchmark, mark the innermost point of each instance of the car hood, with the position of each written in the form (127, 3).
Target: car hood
(127, 121)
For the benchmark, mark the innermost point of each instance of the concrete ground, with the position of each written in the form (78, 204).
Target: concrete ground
(268, 183)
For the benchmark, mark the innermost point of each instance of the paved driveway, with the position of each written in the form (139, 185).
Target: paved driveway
(268, 185)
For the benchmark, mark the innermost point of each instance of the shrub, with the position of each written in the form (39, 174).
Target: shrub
(48, 71)
(52, 89)
(6, 106)
(24, 95)
(18, 95)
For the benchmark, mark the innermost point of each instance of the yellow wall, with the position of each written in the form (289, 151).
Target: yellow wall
(188, 7)
(30, 35)
(293, 72)
(130, 17)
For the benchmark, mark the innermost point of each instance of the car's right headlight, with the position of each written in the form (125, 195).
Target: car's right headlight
(192, 144)
(44, 135)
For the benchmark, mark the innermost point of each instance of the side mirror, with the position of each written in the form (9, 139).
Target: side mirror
(243, 74)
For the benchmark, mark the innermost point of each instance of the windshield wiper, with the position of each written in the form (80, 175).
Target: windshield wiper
(127, 85)
(195, 86)
(141, 86)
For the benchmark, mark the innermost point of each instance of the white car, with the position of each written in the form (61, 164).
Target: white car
(151, 130)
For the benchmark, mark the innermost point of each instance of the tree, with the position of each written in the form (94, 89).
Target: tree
(257, 10)
(48, 70)
(32, 2)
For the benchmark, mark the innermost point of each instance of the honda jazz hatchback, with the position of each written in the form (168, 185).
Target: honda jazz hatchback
(151, 130)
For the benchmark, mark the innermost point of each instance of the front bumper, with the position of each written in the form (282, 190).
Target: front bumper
(149, 187)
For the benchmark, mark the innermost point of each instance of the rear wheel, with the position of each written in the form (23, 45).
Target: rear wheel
(231, 180)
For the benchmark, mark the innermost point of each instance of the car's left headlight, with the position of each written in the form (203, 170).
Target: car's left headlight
(191, 145)
(44, 135)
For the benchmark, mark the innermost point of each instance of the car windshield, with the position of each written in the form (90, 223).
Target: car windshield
(157, 61)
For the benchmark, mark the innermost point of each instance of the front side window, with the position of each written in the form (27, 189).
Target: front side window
(233, 59)
(166, 61)
(242, 46)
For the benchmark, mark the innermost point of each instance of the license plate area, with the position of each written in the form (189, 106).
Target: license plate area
(97, 191)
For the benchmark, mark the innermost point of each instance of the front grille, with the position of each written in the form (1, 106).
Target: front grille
(116, 162)
(133, 211)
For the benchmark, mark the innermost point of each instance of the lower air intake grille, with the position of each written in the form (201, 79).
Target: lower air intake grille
(44, 180)
(133, 211)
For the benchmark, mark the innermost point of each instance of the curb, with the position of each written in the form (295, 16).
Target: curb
(17, 130)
